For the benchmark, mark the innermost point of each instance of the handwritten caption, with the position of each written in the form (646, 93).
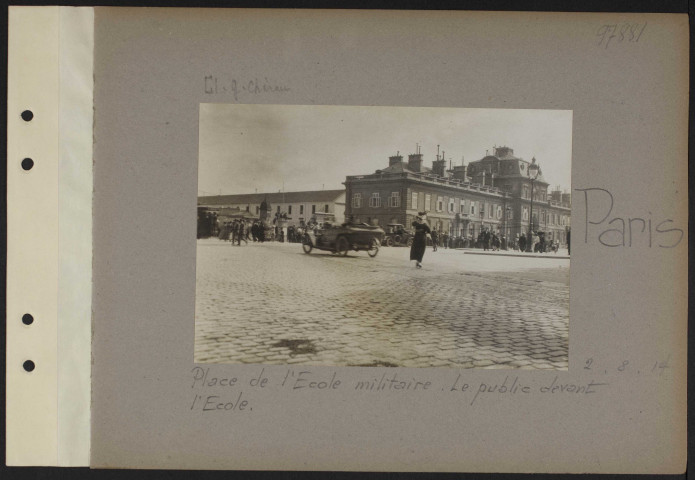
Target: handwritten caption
(641, 230)
(615, 33)
(238, 88)
(214, 392)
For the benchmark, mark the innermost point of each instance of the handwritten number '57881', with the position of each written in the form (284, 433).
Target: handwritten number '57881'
(618, 33)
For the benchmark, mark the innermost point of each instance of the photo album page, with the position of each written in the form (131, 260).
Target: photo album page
(347, 240)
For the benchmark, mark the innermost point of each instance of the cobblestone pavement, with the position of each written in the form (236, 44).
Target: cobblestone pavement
(271, 303)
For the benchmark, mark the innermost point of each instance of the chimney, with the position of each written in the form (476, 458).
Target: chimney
(500, 152)
(460, 172)
(395, 159)
(415, 162)
(439, 165)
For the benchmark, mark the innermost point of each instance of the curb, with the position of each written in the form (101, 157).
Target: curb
(551, 255)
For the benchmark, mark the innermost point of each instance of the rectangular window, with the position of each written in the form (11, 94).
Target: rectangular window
(375, 200)
(451, 205)
(395, 199)
(440, 204)
(325, 209)
(289, 209)
(428, 201)
(301, 209)
(414, 200)
(258, 209)
(313, 209)
(472, 208)
(489, 210)
(278, 210)
(356, 200)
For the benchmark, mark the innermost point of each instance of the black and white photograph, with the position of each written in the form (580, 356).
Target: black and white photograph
(383, 236)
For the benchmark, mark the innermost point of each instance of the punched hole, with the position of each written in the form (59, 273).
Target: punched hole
(27, 115)
(27, 319)
(27, 164)
(29, 366)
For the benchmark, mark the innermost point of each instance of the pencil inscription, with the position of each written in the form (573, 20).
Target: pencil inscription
(619, 231)
(611, 34)
(239, 88)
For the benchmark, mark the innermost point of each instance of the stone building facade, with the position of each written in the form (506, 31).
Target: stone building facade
(493, 193)
(296, 208)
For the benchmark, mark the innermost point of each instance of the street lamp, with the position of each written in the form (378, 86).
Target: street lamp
(532, 174)
(506, 227)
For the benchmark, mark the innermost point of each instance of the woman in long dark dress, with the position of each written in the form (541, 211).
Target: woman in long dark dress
(417, 250)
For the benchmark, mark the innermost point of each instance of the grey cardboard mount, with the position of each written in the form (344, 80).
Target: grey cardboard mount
(152, 70)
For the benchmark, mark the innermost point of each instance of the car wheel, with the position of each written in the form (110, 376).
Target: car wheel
(373, 248)
(388, 242)
(409, 243)
(342, 246)
(306, 245)
(397, 239)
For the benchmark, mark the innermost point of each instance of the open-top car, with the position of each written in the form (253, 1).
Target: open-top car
(397, 235)
(343, 238)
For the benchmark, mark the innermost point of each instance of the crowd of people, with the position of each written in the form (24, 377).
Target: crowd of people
(239, 230)
(487, 240)
(490, 240)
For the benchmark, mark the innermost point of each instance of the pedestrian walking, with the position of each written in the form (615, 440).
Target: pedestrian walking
(495, 242)
(254, 231)
(417, 250)
(522, 242)
(261, 232)
(232, 232)
(435, 240)
(241, 233)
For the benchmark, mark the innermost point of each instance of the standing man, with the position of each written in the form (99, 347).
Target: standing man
(261, 231)
(435, 240)
(235, 231)
(241, 233)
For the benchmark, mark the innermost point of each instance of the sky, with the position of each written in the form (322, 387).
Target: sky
(267, 148)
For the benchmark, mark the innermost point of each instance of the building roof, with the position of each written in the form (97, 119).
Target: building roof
(505, 166)
(319, 196)
(401, 167)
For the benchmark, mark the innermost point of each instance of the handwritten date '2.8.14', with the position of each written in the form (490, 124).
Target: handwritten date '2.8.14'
(610, 34)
